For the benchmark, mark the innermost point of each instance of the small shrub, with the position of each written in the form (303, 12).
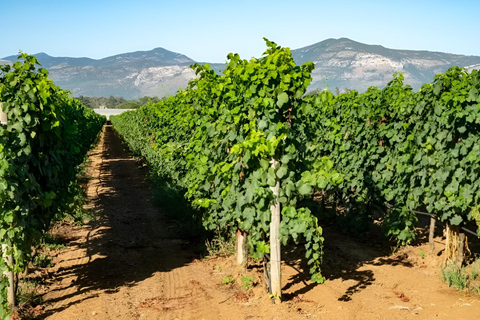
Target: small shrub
(248, 282)
(28, 299)
(454, 276)
(221, 246)
(475, 270)
(27, 293)
(228, 280)
(43, 261)
(50, 242)
(422, 254)
(460, 278)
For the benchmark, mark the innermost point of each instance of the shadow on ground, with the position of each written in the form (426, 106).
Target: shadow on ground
(343, 257)
(129, 242)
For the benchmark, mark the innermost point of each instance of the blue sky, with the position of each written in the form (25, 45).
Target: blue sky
(208, 30)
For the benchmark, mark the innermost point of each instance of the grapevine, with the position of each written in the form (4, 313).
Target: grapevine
(46, 137)
(218, 139)
(227, 140)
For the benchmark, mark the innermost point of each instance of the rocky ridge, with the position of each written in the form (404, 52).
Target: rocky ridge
(345, 63)
(339, 63)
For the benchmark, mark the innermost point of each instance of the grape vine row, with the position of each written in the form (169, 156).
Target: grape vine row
(228, 139)
(46, 137)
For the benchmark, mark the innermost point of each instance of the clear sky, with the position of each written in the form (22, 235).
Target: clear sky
(208, 30)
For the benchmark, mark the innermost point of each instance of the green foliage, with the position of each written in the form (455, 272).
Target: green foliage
(248, 282)
(227, 139)
(46, 137)
(475, 270)
(410, 150)
(228, 280)
(74, 210)
(4, 309)
(50, 242)
(28, 297)
(115, 102)
(101, 102)
(43, 261)
(454, 276)
(476, 218)
(222, 245)
(128, 105)
(176, 207)
(440, 148)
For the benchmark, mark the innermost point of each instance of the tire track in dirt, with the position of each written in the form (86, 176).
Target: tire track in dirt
(184, 295)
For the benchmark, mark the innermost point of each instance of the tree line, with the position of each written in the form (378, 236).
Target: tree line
(115, 102)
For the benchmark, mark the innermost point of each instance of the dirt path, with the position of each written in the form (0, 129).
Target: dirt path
(130, 264)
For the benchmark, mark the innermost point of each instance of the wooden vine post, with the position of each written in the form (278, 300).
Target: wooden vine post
(241, 248)
(6, 249)
(8, 257)
(3, 115)
(275, 256)
(461, 248)
(432, 234)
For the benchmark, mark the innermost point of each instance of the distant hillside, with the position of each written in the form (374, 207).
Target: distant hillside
(5, 62)
(139, 59)
(345, 63)
(341, 63)
(158, 72)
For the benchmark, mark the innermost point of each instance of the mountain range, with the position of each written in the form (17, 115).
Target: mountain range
(345, 63)
(341, 63)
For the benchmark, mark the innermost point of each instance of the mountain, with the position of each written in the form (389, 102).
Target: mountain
(345, 63)
(5, 62)
(158, 72)
(341, 63)
(139, 59)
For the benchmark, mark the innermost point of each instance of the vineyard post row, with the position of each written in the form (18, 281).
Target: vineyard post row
(389, 147)
(44, 137)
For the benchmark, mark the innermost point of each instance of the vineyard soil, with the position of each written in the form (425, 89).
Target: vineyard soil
(131, 263)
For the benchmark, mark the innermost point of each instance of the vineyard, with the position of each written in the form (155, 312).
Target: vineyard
(256, 157)
(247, 147)
(45, 137)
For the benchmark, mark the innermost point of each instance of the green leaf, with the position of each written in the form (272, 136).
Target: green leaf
(456, 220)
(262, 124)
(305, 189)
(290, 212)
(282, 171)
(282, 98)
(23, 139)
